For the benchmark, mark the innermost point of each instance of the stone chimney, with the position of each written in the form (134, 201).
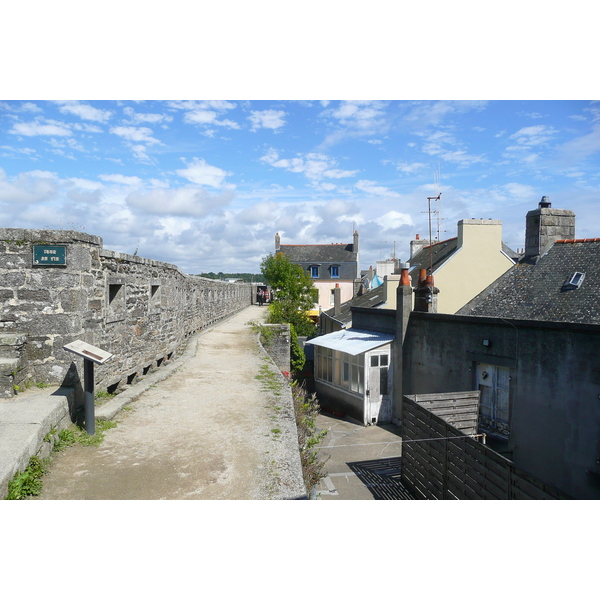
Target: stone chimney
(337, 300)
(277, 243)
(404, 294)
(544, 226)
(417, 245)
(355, 249)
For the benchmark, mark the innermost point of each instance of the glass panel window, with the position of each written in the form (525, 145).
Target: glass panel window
(335, 271)
(383, 381)
(374, 360)
(354, 381)
(314, 272)
(383, 360)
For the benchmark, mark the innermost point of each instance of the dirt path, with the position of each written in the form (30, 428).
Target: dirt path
(203, 433)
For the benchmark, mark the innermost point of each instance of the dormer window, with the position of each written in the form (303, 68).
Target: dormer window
(314, 271)
(574, 282)
(335, 270)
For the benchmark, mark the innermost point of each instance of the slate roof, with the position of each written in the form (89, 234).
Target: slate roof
(440, 253)
(535, 291)
(369, 300)
(320, 253)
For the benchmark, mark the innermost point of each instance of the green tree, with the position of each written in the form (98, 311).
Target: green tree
(294, 293)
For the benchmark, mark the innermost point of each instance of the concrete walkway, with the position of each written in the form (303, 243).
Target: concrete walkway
(208, 431)
(362, 463)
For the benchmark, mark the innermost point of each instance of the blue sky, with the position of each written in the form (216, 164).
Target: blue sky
(207, 184)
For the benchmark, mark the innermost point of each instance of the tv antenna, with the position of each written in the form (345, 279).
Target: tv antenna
(429, 211)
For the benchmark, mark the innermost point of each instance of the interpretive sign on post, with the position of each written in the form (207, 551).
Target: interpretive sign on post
(92, 355)
(50, 256)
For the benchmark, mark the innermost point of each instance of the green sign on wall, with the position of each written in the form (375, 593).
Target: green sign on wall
(50, 256)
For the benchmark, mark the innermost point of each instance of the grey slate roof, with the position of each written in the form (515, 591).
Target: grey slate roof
(535, 291)
(440, 253)
(369, 300)
(320, 253)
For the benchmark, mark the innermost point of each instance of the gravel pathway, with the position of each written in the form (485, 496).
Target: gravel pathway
(206, 432)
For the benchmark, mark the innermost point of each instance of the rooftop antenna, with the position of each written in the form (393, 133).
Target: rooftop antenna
(438, 198)
(438, 209)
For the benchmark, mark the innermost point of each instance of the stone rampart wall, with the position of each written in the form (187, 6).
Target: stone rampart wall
(139, 310)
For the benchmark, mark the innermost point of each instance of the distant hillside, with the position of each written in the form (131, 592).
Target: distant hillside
(247, 277)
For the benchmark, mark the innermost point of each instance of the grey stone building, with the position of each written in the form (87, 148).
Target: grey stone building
(530, 343)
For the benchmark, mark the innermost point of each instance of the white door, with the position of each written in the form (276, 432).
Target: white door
(493, 382)
(379, 402)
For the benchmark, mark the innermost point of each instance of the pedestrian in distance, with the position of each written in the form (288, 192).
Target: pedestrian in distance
(261, 297)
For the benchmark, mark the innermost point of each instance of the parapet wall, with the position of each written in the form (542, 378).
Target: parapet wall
(139, 310)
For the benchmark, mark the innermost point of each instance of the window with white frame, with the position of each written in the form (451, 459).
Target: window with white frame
(340, 369)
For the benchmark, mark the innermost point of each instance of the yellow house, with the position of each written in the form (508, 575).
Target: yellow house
(463, 266)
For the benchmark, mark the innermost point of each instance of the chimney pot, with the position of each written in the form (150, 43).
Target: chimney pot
(404, 278)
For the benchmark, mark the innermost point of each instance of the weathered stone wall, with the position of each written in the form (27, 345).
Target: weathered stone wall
(277, 344)
(139, 310)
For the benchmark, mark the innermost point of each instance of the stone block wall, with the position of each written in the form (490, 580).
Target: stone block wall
(139, 310)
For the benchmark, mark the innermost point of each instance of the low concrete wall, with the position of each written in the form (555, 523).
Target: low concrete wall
(140, 310)
(29, 428)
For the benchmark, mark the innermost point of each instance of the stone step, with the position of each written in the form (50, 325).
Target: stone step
(11, 344)
(8, 365)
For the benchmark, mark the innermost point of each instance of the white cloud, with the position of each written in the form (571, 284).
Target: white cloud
(25, 107)
(357, 118)
(184, 201)
(313, 165)
(84, 111)
(257, 213)
(28, 188)
(394, 219)
(370, 187)
(201, 173)
(85, 184)
(532, 136)
(122, 179)
(40, 128)
(432, 113)
(267, 119)
(409, 167)
(582, 147)
(174, 226)
(206, 113)
(136, 118)
(135, 134)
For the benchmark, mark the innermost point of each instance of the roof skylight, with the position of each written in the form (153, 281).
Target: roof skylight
(574, 282)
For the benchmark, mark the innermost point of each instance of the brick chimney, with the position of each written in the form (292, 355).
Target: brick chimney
(544, 226)
(426, 294)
